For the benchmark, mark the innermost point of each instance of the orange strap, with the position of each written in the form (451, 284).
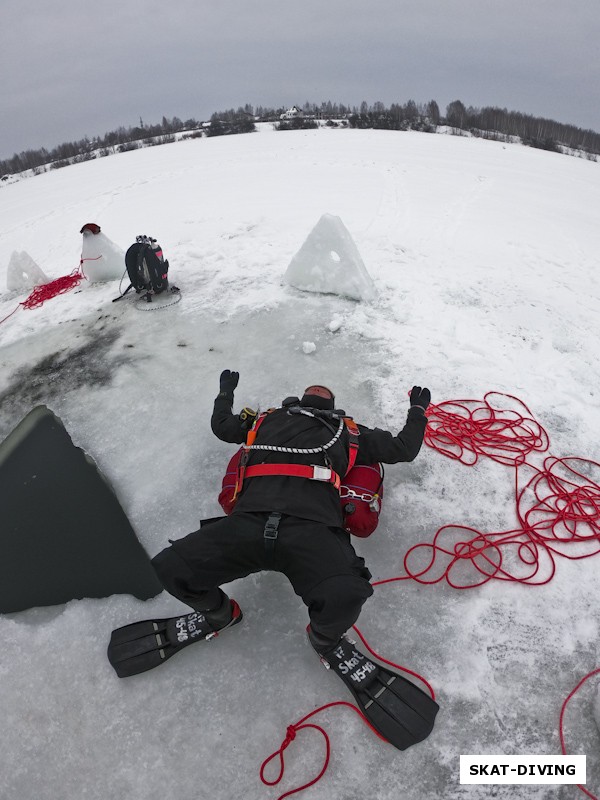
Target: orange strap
(250, 437)
(353, 433)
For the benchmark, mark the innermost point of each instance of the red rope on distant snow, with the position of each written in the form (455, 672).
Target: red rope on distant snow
(47, 291)
(9, 315)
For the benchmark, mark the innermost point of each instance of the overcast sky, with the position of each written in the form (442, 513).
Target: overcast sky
(71, 68)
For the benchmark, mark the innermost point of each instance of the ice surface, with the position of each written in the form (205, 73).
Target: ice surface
(485, 261)
(329, 262)
(102, 259)
(23, 273)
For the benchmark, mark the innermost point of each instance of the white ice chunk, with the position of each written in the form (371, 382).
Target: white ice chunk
(23, 273)
(329, 262)
(335, 324)
(102, 259)
(308, 347)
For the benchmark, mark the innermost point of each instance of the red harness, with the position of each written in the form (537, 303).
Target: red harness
(312, 472)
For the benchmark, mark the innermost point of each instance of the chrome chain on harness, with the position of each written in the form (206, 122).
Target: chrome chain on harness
(301, 450)
(371, 499)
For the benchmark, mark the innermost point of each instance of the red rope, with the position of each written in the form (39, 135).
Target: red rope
(301, 725)
(47, 291)
(561, 723)
(557, 506)
(466, 429)
(289, 738)
(392, 664)
(9, 315)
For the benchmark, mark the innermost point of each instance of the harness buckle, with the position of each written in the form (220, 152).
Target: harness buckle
(321, 473)
(271, 530)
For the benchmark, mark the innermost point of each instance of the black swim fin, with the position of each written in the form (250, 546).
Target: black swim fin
(144, 645)
(401, 712)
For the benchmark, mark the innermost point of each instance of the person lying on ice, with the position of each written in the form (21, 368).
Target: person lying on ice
(286, 516)
(305, 539)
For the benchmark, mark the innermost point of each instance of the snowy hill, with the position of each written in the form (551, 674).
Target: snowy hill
(484, 257)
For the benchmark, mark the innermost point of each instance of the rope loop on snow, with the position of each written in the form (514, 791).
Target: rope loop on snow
(289, 738)
(467, 429)
(302, 724)
(557, 504)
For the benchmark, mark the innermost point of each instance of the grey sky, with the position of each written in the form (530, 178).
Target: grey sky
(70, 68)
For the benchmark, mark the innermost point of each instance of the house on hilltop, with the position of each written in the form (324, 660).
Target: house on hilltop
(292, 113)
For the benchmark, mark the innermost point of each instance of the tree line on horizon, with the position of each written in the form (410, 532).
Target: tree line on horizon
(488, 122)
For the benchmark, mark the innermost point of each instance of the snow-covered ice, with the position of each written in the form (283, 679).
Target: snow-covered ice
(484, 259)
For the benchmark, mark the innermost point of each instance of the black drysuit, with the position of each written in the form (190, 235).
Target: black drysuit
(311, 547)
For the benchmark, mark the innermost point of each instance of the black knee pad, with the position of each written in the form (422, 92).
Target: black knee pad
(343, 595)
(178, 579)
(176, 575)
(335, 604)
(170, 568)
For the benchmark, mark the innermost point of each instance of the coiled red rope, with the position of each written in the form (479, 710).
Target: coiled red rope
(467, 429)
(47, 291)
(557, 504)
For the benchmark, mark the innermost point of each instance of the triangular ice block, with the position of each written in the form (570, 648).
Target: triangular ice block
(63, 533)
(329, 262)
(23, 273)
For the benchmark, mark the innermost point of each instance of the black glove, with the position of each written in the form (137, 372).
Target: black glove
(228, 381)
(420, 397)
